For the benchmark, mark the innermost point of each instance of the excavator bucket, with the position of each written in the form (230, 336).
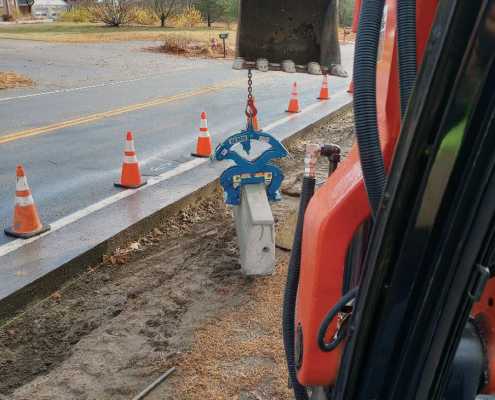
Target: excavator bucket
(289, 35)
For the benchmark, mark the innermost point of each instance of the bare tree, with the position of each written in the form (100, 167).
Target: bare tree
(163, 9)
(113, 12)
(212, 10)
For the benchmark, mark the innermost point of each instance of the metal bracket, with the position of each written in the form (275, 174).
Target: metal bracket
(246, 172)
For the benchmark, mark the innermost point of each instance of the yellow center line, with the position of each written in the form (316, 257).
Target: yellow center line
(112, 113)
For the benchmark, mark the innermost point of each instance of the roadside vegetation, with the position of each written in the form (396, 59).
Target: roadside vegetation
(185, 27)
(194, 22)
(166, 13)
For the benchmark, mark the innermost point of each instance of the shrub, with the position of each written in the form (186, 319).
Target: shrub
(180, 44)
(188, 18)
(163, 9)
(113, 12)
(176, 44)
(76, 14)
(144, 16)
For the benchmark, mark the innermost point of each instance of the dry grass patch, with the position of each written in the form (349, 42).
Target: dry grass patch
(191, 45)
(240, 355)
(9, 80)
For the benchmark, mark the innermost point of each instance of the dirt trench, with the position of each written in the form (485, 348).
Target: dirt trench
(175, 298)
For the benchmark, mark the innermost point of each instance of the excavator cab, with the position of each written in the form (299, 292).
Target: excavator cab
(289, 36)
(390, 288)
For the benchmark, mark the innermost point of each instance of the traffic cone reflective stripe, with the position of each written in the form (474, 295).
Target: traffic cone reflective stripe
(130, 159)
(131, 173)
(294, 101)
(324, 93)
(26, 221)
(203, 129)
(129, 144)
(130, 150)
(204, 146)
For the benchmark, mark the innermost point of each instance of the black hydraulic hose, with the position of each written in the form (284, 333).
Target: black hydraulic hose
(406, 39)
(365, 113)
(290, 295)
(332, 345)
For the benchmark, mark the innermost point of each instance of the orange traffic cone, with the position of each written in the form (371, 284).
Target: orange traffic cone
(27, 223)
(324, 94)
(294, 101)
(203, 146)
(351, 87)
(131, 174)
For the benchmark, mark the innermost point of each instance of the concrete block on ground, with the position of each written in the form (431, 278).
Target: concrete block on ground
(255, 228)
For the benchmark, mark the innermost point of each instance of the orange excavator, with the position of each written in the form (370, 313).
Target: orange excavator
(389, 291)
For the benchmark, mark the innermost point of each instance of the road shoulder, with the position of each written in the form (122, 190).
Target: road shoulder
(172, 297)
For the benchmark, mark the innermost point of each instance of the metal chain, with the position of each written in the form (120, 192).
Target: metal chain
(250, 84)
(251, 110)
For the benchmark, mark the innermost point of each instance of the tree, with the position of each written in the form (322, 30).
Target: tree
(232, 11)
(163, 9)
(346, 12)
(213, 10)
(113, 12)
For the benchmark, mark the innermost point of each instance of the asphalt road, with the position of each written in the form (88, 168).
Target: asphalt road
(69, 130)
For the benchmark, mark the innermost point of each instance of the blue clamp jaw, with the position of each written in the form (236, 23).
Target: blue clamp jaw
(246, 172)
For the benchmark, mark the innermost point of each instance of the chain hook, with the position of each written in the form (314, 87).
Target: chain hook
(251, 110)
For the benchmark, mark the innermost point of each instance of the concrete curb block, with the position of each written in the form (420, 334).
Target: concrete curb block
(37, 269)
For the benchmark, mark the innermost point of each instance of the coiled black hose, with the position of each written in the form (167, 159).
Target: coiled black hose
(365, 113)
(332, 345)
(406, 38)
(290, 294)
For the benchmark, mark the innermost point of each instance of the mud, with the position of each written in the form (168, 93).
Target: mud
(174, 298)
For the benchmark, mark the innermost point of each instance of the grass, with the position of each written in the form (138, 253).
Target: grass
(9, 80)
(87, 33)
(70, 32)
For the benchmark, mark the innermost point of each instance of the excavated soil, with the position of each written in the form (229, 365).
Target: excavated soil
(175, 298)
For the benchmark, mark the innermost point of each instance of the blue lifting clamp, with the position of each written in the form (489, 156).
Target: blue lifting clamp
(247, 172)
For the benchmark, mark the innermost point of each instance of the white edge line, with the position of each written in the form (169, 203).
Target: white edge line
(180, 169)
(303, 111)
(55, 226)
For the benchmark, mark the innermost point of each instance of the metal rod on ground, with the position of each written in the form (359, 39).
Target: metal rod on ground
(151, 387)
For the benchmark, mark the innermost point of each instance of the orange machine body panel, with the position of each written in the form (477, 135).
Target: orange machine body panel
(484, 313)
(355, 19)
(339, 207)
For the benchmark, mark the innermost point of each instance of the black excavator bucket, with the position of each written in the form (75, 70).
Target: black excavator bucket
(289, 35)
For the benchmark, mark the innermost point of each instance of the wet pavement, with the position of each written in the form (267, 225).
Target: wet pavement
(69, 130)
